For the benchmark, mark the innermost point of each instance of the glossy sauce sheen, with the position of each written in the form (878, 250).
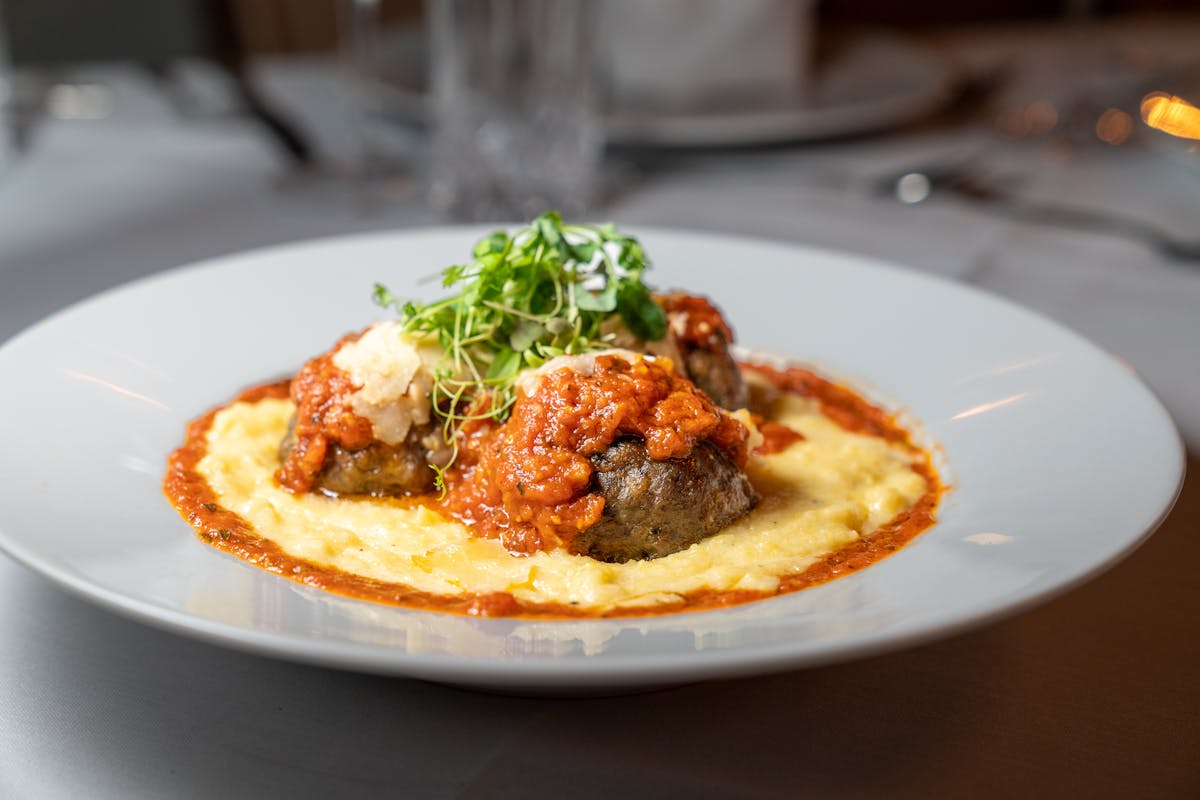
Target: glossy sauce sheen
(525, 482)
(192, 495)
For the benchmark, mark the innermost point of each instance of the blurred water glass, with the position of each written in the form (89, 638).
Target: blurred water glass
(681, 55)
(516, 121)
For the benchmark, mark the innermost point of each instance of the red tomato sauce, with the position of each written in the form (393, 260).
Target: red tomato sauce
(322, 419)
(776, 437)
(526, 482)
(696, 321)
(195, 500)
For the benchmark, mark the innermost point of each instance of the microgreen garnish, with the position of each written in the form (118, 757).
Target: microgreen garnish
(541, 292)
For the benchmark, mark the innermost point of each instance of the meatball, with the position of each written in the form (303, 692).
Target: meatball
(717, 375)
(655, 508)
(365, 423)
(703, 337)
(378, 469)
(697, 342)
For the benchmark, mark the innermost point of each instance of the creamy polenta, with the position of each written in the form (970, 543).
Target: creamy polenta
(818, 496)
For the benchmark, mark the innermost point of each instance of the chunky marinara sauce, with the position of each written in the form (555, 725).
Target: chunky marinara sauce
(696, 321)
(526, 482)
(525, 466)
(322, 419)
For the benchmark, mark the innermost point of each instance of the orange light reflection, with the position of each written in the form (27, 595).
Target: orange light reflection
(983, 408)
(1114, 126)
(1171, 114)
(1001, 369)
(114, 387)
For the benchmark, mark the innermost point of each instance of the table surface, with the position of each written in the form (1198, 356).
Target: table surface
(1092, 694)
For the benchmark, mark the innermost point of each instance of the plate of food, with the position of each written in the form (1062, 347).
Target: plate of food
(583, 460)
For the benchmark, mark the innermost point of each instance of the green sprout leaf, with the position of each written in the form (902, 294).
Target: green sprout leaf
(605, 301)
(639, 312)
(505, 364)
(542, 291)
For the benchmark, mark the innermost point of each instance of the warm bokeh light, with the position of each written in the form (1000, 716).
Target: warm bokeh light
(1036, 119)
(1114, 126)
(1171, 114)
(1041, 117)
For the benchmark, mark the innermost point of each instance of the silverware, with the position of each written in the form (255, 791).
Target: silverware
(967, 182)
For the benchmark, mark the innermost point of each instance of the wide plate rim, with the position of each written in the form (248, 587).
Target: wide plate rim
(625, 670)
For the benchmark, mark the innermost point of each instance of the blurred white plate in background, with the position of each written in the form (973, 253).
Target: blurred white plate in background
(869, 82)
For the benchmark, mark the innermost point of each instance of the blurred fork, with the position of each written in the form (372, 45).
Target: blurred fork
(962, 180)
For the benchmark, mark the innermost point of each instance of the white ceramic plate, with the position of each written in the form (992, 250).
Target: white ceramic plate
(1061, 460)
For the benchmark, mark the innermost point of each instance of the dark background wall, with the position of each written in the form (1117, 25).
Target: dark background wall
(151, 30)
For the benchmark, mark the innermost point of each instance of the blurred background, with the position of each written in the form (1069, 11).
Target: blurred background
(1036, 149)
(389, 99)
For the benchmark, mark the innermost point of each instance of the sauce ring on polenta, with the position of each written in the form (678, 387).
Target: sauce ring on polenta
(852, 490)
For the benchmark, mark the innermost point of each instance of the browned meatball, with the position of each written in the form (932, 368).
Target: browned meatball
(717, 375)
(703, 338)
(697, 341)
(655, 508)
(379, 469)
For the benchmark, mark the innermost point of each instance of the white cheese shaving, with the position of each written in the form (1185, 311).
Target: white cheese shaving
(585, 365)
(394, 373)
